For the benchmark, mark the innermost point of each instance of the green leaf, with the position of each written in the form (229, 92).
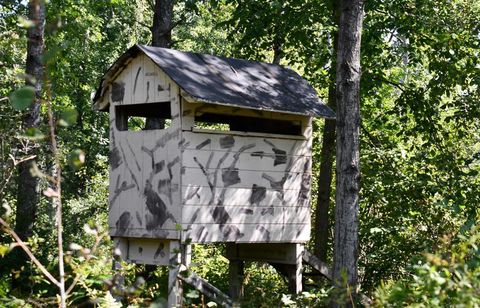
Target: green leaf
(25, 22)
(68, 117)
(192, 294)
(33, 133)
(3, 250)
(76, 159)
(74, 246)
(22, 98)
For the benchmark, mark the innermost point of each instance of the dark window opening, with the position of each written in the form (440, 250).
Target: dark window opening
(139, 117)
(223, 122)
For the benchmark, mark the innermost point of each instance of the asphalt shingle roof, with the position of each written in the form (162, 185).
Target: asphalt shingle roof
(232, 82)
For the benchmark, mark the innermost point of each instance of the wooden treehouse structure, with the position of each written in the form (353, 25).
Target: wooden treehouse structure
(207, 149)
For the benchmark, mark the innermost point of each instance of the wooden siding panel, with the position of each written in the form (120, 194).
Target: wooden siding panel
(150, 75)
(148, 251)
(259, 160)
(245, 233)
(251, 197)
(136, 84)
(220, 142)
(141, 82)
(231, 195)
(236, 178)
(297, 233)
(297, 215)
(232, 215)
(145, 165)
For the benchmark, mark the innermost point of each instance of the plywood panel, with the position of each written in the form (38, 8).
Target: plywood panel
(252, 197)
(297, 215)
(298, 233)
(160, 86)
(204, 233)
(150, 74)
(160, 179)
(148, 180)
(228, 143)
(260, 160)
(174, 95)
(236, 178)
(115, 174)
(148, 251)
(136, 84)
(140, 82)
(232, 215)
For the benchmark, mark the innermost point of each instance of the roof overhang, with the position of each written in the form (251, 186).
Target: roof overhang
(203, 74)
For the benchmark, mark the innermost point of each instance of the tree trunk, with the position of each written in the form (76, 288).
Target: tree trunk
(28, 188)
(348, 147)
(162, 24)
(325, 183)
(326, 159)
(277, 51)
(28, 196)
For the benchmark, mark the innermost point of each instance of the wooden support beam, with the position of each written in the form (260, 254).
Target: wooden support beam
(293, 274)
(318, 265)
(205, 287)
(293, 271)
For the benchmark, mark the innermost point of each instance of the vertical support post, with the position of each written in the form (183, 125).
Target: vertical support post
(236, 275)
(298, 269)
(175, 290)
(119, 254)
(186, 255)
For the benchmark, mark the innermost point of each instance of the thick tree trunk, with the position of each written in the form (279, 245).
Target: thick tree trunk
(162, 24)
(325, 184)
(348, 147)
(28, 195)
(326, 158)
(28, 189)
(277, 51)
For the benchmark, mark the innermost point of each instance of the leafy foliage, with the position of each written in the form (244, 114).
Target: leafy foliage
(449, 277)
(420, 142)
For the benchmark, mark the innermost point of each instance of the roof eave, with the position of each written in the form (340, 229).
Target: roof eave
(194, 99)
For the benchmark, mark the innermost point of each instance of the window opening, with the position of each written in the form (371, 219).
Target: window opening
(222, 122)
(212, 125)
(139, 117)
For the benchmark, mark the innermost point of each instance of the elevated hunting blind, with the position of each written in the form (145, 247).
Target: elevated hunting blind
(207, 149)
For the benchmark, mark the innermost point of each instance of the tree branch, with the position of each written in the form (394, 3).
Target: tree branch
(87, 258)
(7, 229)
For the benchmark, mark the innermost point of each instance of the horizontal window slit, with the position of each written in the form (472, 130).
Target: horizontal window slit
(222, 122)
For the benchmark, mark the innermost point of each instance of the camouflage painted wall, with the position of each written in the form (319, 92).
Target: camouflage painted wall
(201, 185)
